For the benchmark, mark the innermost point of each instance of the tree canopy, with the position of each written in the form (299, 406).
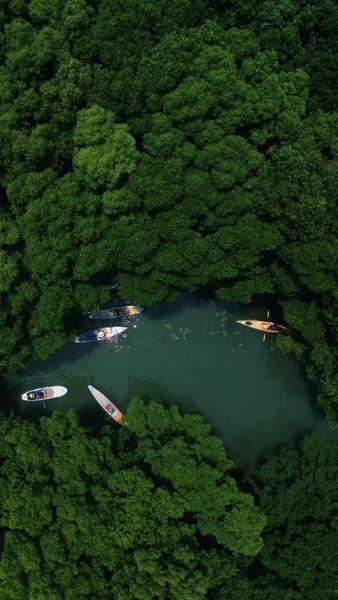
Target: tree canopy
(298, 493)
(150, 511)
(176, 145)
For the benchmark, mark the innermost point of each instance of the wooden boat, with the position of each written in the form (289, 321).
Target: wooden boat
(98, 335)
(118, 312)
(45, 393)
(265, 326)
(107, 405)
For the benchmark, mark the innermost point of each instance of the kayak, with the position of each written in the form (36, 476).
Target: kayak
(266, 326)
(98, 335)
(119, 312)
(107, 405)
(45, 393)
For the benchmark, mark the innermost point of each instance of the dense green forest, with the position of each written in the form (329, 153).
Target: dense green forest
(174, 145)
(153, 511)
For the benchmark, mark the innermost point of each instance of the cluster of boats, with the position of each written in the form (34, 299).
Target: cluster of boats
(97, 335)
(121, 312)
(56, 391)
(106, 333)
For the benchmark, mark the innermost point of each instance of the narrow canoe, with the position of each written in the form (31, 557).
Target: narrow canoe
(107, 405)
(266, 326)
(119, 312)
(98, 335)
(45, 393)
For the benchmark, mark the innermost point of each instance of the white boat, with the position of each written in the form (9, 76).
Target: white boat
(44, 393)
(98, 335)
(107, 405)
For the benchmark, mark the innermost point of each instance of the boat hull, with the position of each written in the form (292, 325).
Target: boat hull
(107, 405)
(119, 312)
(263, 326)
(55, 391)
(93, 336)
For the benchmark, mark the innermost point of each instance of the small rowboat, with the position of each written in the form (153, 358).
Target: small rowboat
(98, 335)
(266, 326)
(107, 405)
(119, 312)
(45, 393)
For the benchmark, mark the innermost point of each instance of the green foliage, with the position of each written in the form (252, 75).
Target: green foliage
(172, 144)
(124, 33)
(148, 512)
(303, 33)
(104, 151)
(297, 491)
(151, 511)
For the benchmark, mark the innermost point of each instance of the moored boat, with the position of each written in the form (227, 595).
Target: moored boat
(117, 312)
(265, 326)
(98, 335)
(107, 405)
(44, 393)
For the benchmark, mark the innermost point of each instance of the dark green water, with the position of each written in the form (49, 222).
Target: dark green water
(190, 352)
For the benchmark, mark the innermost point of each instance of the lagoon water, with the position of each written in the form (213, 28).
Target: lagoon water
(192, 353)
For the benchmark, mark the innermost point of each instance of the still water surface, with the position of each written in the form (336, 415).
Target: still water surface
(192, 353)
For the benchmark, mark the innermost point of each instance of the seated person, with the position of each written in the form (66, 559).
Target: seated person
(275, 327)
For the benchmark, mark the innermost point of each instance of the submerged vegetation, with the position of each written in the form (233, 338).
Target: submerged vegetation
(153, 511)
(176, 146)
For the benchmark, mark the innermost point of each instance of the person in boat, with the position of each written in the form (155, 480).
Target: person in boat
(42, 394)
(101, 335)
(276, 328)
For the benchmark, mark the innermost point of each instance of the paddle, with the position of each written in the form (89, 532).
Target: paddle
(267, 316)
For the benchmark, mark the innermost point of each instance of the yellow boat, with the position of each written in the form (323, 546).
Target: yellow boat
(265, 326)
